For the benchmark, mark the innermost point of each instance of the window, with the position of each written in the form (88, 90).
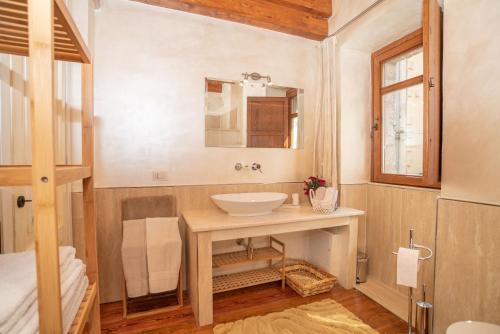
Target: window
(406, 115)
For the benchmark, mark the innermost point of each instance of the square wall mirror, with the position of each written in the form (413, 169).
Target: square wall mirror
(252, 114)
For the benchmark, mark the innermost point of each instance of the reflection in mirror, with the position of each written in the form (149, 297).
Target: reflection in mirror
(252, 114)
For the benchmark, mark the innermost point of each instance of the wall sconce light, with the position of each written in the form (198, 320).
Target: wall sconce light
(256, 77)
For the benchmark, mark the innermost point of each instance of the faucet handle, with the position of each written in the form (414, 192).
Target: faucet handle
(257, 166)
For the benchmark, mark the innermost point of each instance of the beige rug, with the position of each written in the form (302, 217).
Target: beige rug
(324, 317)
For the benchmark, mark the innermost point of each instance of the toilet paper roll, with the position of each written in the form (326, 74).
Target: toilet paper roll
(407, 267)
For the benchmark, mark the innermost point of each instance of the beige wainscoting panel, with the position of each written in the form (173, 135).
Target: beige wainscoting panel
(187, 197)
(355, 196)
(391, 212)
(467, 264)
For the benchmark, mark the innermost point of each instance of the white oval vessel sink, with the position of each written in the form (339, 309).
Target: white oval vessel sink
(249, 204)
(473, 327)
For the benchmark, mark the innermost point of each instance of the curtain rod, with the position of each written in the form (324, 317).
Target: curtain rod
(354, 19)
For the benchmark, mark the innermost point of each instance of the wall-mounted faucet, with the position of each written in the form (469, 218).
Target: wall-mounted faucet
(239, 166)
(255, 166)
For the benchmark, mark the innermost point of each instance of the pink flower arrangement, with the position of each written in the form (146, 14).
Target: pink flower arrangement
(313, 183)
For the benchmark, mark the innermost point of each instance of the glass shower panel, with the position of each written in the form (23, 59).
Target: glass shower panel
(402, 131)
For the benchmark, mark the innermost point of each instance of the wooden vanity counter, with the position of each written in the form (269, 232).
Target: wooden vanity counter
(207, 226)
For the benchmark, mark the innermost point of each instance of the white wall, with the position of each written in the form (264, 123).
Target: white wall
(345, 10)
(354, 101)
(150, 65)
(471, 92)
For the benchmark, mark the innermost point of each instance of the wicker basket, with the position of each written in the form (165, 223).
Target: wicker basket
(306, 279)
(316, 197)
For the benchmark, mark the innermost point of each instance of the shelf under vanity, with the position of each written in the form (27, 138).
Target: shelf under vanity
(204, 227)
(228, 282)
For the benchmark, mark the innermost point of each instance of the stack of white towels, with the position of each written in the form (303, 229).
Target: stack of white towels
(151, 255)
(18, 290)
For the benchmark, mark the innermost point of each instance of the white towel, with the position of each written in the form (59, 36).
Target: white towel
(330, 197)
(74, 270)
(164, 253)
(70, 280)
(407, 267)
(134, 257)
(71, 304)
(18, 282)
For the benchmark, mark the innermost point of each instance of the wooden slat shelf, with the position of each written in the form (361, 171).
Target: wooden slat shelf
(245, 279)
(241, 257)
(83, 313)
(14, 176)
(68, 43)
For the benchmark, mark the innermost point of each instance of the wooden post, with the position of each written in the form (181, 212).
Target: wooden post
(88, 189)
(41, 71)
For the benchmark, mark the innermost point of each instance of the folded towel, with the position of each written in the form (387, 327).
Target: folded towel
(72, 272)
(74, 304)
(70, 279)
(164, 253)
(29, 323)
(330, 197)
(134, 257)
(18, 281)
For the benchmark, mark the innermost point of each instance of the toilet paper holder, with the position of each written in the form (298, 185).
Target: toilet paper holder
(413, 245)
(421, 258)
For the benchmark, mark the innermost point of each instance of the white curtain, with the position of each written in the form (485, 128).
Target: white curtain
(325, 127)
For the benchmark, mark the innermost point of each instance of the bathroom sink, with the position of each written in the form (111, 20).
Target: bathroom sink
(249, 204)
(473, 327)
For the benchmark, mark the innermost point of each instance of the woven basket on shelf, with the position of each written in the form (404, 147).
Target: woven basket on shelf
(306, 279)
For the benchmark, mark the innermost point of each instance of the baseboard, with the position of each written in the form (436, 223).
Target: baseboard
(386, 296)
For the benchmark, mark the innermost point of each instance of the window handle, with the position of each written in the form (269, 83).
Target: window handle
(374, 128)
(431, 82)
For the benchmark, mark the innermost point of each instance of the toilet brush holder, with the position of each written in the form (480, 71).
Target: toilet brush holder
(424, 316)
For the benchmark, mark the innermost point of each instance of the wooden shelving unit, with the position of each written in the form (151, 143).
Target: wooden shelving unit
(44, 31)
(14, 38)
(78, 325)
(241, 257)
(16, 176)
(245, 279)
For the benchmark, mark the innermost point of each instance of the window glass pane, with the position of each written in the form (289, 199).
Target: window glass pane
(403, 115)
(403, 67)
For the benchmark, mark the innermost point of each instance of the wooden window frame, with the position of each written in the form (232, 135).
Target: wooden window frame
(431, 113)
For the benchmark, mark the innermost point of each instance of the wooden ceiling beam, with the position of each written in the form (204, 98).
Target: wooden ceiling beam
(321, 8)
(279, 16)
